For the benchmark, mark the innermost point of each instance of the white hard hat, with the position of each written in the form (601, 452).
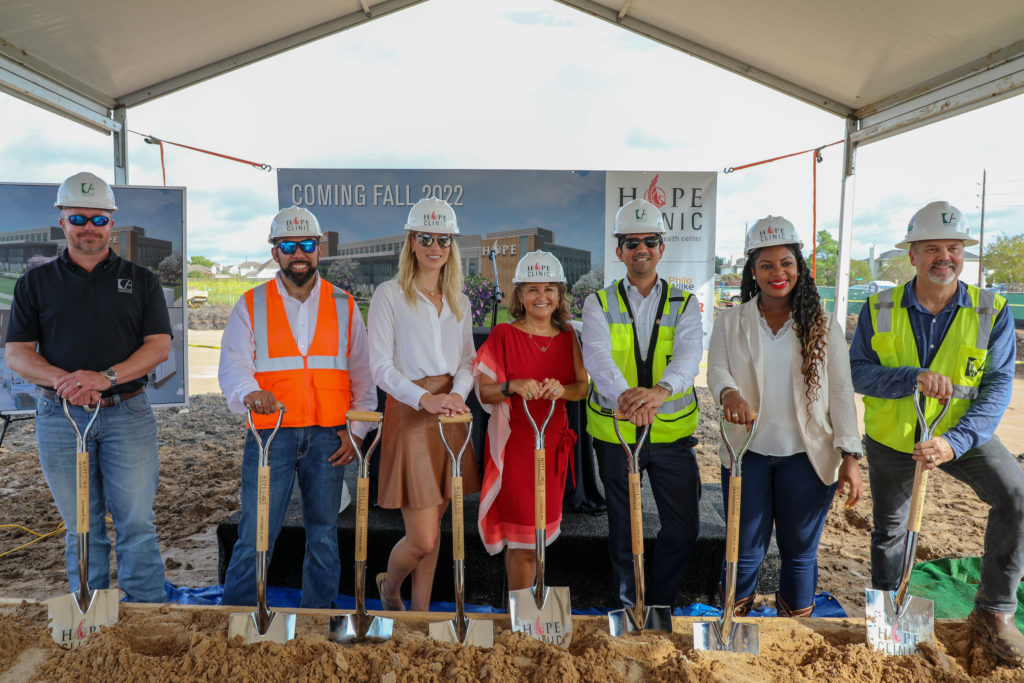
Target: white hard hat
(432, 215)
(771, 231)
(938, 221)
(639, 216)
(538, 266)
(85, 191)
(294, 222)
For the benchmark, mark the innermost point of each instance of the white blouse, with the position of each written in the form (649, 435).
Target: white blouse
(778, 432)
(411, 341)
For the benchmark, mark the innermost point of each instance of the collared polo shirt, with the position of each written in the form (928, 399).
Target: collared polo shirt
(86, 320)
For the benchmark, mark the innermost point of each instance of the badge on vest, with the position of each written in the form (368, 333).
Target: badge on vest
(124, 285)
(972, 369)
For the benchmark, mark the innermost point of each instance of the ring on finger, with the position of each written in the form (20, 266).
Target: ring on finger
(77, 383)
(258, 402)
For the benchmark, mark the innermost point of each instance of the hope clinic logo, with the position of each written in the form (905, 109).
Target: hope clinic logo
(538, 270)
(655, 195)
(768, 234)
(435, 220)
(88, 188)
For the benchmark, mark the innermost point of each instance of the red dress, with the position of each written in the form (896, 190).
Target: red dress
(506, 498)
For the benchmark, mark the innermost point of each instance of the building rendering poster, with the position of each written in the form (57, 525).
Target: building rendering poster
(149, 229)
(569, 213)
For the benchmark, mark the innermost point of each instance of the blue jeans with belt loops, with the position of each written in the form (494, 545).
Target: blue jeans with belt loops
(786, 492)
(123, 474)
(295, 452)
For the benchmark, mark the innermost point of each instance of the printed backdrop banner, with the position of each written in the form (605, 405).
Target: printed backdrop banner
(503, 214)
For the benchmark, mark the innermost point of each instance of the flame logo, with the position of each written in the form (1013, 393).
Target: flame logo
(769, 230)
(655, 195)
(433, 215)
(80, 632)
(538, 628)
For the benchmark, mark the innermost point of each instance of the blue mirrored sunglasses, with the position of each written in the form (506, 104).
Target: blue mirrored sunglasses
(80, 220)
(289, 246)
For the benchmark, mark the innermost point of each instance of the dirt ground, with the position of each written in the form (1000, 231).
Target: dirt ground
(199, 449)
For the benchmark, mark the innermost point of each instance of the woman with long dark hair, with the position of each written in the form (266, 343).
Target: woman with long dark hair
(780, 356)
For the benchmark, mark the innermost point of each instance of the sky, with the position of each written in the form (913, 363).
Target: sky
(522, 84)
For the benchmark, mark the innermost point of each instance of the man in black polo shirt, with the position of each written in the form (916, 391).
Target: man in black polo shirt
(87, 328)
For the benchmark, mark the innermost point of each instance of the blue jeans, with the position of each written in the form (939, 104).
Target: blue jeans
(787, 493)
(994, 474)
(301, 452)
(675, 483)
(123, 473)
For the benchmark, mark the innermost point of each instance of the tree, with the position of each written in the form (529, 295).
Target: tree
(1005, 258)
(592, 281)
(828, 259)
(342, 273)
(860, 273)
(898, 270)
(719, 262)
(169, 270)
(200, 261)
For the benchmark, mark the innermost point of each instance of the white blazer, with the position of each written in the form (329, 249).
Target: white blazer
(735, 359)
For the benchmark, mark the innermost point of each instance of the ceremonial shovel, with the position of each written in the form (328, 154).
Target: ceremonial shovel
(262, 624)
(542, 612)
(460, 630)
(73, 617)
(897, 622)
(724, 634)
(349, 628)
(638, 617)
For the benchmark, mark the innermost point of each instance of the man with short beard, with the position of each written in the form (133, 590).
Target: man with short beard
(301, 342)
(956, 344)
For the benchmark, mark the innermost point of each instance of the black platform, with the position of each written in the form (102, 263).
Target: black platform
(578, 558)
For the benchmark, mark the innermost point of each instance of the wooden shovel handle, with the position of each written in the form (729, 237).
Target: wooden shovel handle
(732, 531)
(364, 416)
(455, 419)
(917, 498)
(362, 516)
(82, 492)
(539, 490)
(262, 508)
(636, 515)
(458, 528)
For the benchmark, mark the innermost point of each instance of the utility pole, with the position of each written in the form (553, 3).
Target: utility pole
(981, 233)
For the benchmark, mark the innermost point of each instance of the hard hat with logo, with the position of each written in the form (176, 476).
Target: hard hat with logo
(432, 215)
(771, 231)
(538, 266)
(85, 191)
(639, 216)
(294, 222)
(938, 221)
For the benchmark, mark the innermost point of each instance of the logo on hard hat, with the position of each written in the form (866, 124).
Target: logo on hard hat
(948, 217)
(639, 214)
(655, 195)
(435, 220)
(538, 269)
(87, 188)
(767, 234)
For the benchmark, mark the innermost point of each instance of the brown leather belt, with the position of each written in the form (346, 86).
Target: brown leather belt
(105, 401)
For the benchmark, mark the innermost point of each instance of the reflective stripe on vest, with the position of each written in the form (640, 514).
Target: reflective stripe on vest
(677, 416)
(314, 388)
(961, 357)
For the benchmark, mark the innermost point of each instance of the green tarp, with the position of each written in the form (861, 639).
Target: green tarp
(951, 583)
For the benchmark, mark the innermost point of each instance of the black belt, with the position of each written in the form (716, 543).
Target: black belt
(105, 401)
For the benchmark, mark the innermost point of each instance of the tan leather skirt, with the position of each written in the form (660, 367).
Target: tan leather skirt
(415, 470)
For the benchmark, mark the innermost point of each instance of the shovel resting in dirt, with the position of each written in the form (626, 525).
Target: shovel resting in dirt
(478, 632)
(638, 617)
(897, 622)
(262, 624)
(73, 617)
(351, 628)
(725, 634)
(542, 612)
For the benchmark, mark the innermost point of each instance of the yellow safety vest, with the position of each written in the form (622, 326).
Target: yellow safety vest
(961, 357)
(677, 416)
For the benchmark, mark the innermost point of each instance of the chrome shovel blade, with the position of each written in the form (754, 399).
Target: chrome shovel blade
(346, 629)
(708, 635)
(655, 618)
(280, 627)
(897, 632)
(549, 623)
(479, 632)
(69, 625)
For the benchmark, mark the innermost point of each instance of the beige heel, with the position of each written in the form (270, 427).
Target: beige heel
(387, 604)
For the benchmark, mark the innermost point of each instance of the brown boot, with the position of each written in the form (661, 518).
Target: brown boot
(742, 607)
(785, 611)
(999, 629)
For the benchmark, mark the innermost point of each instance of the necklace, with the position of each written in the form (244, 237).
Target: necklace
(544, 348)
(428, 292)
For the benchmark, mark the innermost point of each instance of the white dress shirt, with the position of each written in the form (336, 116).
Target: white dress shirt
(780, 356)
(410, 341)
(687, 343)
(237, 371)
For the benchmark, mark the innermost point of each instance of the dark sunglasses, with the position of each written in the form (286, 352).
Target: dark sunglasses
(443, 241)
(289, 246)
(652, 242)
(80, 220)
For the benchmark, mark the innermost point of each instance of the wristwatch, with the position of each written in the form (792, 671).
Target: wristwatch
(111, 375)
(504, 389)
(666, 386)
(855, 456)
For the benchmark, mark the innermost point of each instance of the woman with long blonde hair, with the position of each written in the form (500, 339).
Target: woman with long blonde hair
(421, 355)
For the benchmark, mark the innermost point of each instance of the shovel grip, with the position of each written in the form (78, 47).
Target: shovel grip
(364, 416)
(458, 531)
(636, 515)
(262, 508)
(732, 532)
(455, 419)
(539, 491)
(82, 492)
(917, 499)
(362, 516)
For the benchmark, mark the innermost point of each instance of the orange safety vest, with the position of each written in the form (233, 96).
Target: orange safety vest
(314, 388)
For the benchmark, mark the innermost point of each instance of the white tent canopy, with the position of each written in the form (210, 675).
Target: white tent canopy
(884, 66)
